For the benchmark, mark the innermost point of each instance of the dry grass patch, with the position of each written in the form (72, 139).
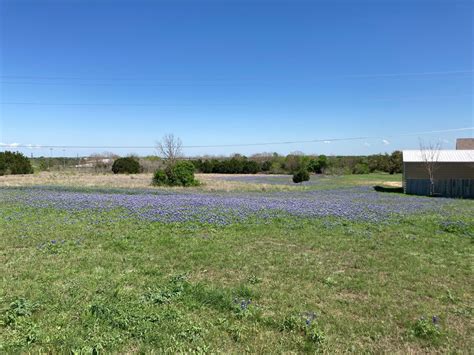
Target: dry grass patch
(209, 182)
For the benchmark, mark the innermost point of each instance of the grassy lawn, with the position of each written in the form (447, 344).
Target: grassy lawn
(85, 280)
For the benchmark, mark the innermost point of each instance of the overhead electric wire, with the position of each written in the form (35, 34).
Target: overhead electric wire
(32, 103)
(148, 78)
(127, 84)
(327, 140)
(448, 72)
(111, 104)
(150, 81)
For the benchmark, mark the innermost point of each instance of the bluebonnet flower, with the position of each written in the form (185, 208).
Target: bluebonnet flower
(359, 203)
(243, 304)
(309, 318)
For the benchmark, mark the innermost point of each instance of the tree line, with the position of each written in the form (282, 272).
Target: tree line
(269, 163)
(292, 163)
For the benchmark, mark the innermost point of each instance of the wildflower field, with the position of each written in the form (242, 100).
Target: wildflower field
(333, 266)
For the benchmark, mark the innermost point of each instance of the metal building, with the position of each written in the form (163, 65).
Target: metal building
(453, 172)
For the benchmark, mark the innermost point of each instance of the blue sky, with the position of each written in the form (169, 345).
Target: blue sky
(224, 72)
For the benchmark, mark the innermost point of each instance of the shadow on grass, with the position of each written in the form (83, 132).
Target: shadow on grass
(379, 188)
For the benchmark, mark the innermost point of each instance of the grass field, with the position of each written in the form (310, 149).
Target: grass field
(329, 267)
(209, 182)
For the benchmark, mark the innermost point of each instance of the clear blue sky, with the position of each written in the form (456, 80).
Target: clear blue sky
(223, 72)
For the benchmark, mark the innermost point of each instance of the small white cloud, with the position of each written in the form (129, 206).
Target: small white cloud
(367, 144)
(13, 145)
(446, 141)
(386, 142)
(327, 142)
(3, 144)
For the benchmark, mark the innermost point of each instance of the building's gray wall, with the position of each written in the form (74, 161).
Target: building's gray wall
(442, 171)
(451, 179)
(463, 188)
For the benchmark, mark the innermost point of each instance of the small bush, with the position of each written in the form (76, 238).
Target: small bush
(427, 329)
(361, 168)
(300, 176)
(160, 178)
(44, 164)
(458, 227)
(253, 280)
(126, 165)
(170, 292)
(179, 174)
(291, 323)
(19, 308)
(266, 165)
(315, 335)
(318, 165)
(250, 167)
(14, 163)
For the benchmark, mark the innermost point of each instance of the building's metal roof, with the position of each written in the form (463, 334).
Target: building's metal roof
(441, 156)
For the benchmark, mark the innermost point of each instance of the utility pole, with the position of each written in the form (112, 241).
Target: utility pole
(50, 158)
(64, 159)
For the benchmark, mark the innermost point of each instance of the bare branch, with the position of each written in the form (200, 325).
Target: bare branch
(170, 148)
(430, 156)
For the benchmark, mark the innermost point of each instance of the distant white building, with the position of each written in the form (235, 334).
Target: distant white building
(94, 162)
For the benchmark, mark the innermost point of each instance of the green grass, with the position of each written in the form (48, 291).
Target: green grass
(130, 286)
(342, 181)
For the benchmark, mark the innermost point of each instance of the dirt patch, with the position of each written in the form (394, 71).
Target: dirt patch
(393, 183)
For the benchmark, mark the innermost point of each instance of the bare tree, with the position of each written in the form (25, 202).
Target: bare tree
(430, 156)
(170, 148)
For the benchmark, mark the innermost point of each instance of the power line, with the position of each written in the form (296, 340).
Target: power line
(327, 140)
(448, 72)
(348, 76)
(109, 104)
(32, 103)
(127, 84)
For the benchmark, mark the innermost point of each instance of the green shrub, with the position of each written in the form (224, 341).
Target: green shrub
(361, 168)
(395, 165)
(315, 335)
(294, 163)
(318, 165)
(291, 323)
(458, 227)
(427, 329)
(21, 307)
(313, 166)
(250, 167)
(179, 174)
(300, 176)
(14, 163)
(323, 162)
(44, 164)
(128, 165)
(160, 178)
(266, 165)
